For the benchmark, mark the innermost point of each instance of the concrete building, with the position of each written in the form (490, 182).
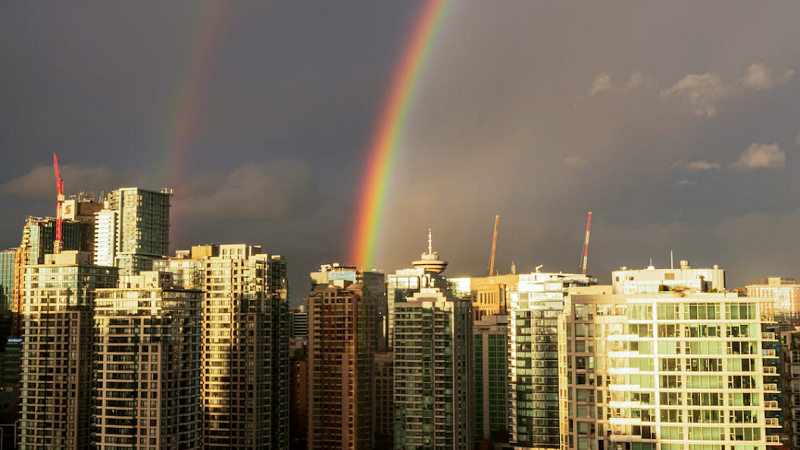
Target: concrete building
(680, 370)
(246, 360)
(651, 279)
(790, 358)
(433, 372)
(384, 400)
(491, 378)
(783, 300)
(82, 209)
(58, 299)
(147, 365)
(341, 359)
(489, 295)
(299, 400)
(533, 357)
(132, 229)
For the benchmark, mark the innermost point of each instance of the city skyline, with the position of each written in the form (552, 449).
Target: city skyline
(678, 131)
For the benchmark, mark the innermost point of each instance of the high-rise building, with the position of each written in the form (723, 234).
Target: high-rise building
(300, 322)
(533, 357)
(427, 272)
(783, 299)
(7, 276)
(341, 358)
(489, 295)
(433, 372)
(651, 279)
(491, 378)
(384, 400)
(147, 365)
(790, 374)
(299, 400)
(132, 230)
(246, 361)
(668, 370)
(58, 300)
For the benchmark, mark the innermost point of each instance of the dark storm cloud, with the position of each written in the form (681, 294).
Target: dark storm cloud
(675, 123)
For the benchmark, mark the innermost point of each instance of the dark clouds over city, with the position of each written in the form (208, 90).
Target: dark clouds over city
(676, 123)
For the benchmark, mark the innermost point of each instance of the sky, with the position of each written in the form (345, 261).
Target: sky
(676, 123)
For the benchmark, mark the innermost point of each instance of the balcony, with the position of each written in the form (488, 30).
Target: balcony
(773, 440)
(771, 387)
(765, 336)
(769, 353)
(769, 370)
(772, 422)
(771, 404)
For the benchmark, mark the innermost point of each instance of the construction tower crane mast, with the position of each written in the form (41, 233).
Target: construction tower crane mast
(494, 246)
(58, 243)
(585, 258)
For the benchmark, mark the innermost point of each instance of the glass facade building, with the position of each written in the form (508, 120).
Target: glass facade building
(533, 357)
(667, 371)
(491, 378)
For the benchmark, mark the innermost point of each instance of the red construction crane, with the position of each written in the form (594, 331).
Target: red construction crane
(58, 243)
(494, 246)
(586, 244)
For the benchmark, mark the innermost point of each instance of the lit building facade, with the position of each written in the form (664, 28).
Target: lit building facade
(246, 360)
(58, 337)
(664, 371)
(533, 357)
(783, 304)
(341, 360)
(433, 372)
(491, 378)
(132, 229)
(147, 365)
(790, 356)
(7, 276)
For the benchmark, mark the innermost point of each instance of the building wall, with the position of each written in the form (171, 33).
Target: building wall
(58, 298)
(147, 367)
(341, 367)
(670, 371)
(783, 300)
(433, 374)
(491, 378)
(384, 398)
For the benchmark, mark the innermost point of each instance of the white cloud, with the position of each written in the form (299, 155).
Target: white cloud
(40, 182)
(639, 79)
(695, 166)
(601, 83)
(684, 183)
(761, 156)
(758, 76)
(701, 93)
(576, 160)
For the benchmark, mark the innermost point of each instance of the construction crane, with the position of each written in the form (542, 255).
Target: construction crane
(494, 246)
(585, 258)
(58, 243)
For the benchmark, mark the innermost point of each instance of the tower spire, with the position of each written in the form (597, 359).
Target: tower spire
(430, 242)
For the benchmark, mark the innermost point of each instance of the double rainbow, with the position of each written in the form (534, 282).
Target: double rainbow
(386, 140)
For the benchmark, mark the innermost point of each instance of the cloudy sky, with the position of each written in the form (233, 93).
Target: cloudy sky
(676, 123)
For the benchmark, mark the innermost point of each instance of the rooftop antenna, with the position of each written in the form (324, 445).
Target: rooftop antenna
(430, 242)
(671, 261)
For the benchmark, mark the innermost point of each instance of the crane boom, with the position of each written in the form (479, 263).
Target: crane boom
(58, 242)
(586, 244)
(494, 246)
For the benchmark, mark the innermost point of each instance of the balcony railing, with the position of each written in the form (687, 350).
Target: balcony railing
(771, 404)
(771, 387)
(766, 336)
(770, 370)
(772, 422)
(773, 440)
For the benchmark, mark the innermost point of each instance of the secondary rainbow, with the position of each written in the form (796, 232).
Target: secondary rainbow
(388, 134)
(186, 103)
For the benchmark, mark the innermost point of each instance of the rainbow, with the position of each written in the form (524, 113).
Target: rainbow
(187, 100)
(386, 140)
